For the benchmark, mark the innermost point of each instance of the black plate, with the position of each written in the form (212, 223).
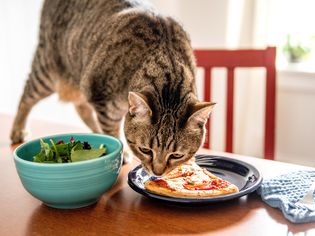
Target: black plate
(245, 176)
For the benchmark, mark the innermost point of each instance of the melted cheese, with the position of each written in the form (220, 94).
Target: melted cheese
(197, 177)
(190, 180)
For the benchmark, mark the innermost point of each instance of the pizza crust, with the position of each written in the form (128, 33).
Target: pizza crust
(172, 191)
(154, 188)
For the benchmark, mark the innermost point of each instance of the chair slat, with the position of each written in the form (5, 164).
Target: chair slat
(230, 58)
(229, 110)
(270, 110)
(207, 97)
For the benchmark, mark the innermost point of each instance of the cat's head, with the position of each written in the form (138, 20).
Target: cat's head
(164, 140)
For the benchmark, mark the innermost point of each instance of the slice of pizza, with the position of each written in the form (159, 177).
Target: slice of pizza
(190, 180)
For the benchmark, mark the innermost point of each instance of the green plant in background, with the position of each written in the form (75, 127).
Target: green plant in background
(295, 52)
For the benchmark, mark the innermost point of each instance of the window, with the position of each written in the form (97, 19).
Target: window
(291, 29)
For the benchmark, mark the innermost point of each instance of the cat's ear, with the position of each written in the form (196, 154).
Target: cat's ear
(138, 105)
(200, 115)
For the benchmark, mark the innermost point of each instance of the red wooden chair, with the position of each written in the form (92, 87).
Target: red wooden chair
(231, 59)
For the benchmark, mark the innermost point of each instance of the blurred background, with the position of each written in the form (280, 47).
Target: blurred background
(224, 24)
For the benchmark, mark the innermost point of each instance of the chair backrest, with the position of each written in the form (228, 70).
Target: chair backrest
(232, 59)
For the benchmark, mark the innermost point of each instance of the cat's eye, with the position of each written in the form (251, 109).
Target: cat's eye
(145, 150)
(176, 156)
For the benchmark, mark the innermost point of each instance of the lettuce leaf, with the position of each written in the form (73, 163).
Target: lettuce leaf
(72, 151)
(85, 154)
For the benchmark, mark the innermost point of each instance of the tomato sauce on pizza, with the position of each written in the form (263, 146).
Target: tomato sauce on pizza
(190, 180)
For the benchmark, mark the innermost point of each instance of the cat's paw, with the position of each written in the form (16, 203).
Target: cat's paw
(127, 157)
(18, 136)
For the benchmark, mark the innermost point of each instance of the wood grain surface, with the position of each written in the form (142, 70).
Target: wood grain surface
(121, 211)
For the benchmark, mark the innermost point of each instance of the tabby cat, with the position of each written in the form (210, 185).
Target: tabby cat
(120, 59)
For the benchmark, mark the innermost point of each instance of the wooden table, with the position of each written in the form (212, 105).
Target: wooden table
(121, 211)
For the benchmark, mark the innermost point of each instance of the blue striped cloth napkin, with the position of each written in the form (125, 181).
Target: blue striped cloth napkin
(285, 190)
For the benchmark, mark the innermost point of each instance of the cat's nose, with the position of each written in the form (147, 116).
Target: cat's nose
(158, 170)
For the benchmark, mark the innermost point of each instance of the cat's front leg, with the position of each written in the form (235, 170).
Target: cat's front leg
(38, 86)
(109, 123)
(86, 112)
(110, 117)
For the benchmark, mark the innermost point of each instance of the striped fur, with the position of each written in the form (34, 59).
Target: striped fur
(108, 56)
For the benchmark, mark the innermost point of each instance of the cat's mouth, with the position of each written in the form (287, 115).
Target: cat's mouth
(152, 173)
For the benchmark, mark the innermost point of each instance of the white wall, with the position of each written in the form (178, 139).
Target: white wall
(296, 117)
(204, 20)
(18, 27)
(19, 24)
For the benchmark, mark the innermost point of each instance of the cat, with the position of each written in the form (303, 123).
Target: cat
(120, 60)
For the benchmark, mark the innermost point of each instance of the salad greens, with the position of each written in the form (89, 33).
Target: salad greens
(72, 151)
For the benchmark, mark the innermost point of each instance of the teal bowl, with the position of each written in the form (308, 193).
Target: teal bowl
(69, 185)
